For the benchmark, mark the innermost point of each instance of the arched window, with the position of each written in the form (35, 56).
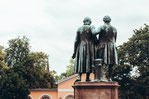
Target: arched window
(29, 97)
(45, 97)
(70, 97)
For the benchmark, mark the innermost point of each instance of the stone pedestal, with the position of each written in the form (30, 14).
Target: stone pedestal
(96, 90)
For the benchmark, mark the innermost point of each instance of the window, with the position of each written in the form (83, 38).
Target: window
(45, 97)
(70, 97)
(29, 97)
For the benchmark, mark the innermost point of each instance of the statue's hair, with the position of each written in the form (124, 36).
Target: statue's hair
(87, 19)
(107, 19)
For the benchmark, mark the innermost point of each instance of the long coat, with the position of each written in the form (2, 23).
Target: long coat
(84, 49)
(106, 48)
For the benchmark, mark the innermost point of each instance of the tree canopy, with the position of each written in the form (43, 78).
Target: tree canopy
(17, 51)
(69, 70)
(2, 60)
(21, 70)
(134, 54)
(12, 86)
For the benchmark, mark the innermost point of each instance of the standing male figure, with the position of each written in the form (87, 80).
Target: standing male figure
(84, 49)
(106, 48)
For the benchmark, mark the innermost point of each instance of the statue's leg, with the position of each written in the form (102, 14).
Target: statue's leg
(99, 73)
(79, 78)
(102, 77)
(110, 72)
(87, 77)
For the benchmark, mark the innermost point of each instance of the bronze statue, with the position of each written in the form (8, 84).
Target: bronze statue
(106, 47)
(84, 49)
(99, 71)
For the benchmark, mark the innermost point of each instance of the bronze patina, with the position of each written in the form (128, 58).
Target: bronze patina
(91, 54)
(84, 49)
(106, 47)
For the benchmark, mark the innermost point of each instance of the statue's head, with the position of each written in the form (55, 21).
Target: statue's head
(87, 21)
(107, 19)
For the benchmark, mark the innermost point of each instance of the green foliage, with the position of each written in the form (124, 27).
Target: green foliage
(12, 86)
(37, 76)
(17, 51)
(69, 70)
(134, 53)
(32, 66)
(2, 60)
(39, 59)
(56, 77)
(27, 70)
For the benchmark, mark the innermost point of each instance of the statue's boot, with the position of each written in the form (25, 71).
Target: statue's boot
(87, 77)
(103, 79)
(78, 80)
(110, 73)
(95, 80)
(110, 80)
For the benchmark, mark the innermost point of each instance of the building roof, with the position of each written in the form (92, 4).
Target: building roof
(71, 77)
(42, 89)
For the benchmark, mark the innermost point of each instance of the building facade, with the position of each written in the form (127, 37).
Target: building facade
(63, 91)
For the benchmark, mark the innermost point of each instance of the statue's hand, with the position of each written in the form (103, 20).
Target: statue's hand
(74, 55)
(92, 27)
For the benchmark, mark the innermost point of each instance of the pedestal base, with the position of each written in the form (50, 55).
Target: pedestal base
(96, 90)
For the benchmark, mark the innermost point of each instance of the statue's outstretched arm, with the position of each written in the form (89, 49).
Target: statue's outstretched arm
(115, 31)
(95, 32)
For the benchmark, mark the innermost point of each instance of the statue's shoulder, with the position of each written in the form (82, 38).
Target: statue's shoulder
(114, 29)
(102, 27)
(80, 29)
(107, 26)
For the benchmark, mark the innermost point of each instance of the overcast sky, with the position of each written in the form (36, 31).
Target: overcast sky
(51, 24)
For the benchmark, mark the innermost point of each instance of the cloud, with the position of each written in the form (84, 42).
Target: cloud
(51, 24)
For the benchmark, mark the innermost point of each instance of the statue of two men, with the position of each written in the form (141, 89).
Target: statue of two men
(90, 52)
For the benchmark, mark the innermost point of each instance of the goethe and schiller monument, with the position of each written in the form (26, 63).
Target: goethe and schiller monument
(91, 54)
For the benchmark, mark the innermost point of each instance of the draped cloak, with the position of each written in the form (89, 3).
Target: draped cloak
(106, 48)
(84, 48)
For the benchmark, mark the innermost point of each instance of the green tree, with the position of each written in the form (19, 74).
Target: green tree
(56, 77)
(69, 70)
(39, 59)
(26, 70)
(36, 74)
(132, 54)
(32, 66)
(17, 51)
(2, 60)
(12, 86)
